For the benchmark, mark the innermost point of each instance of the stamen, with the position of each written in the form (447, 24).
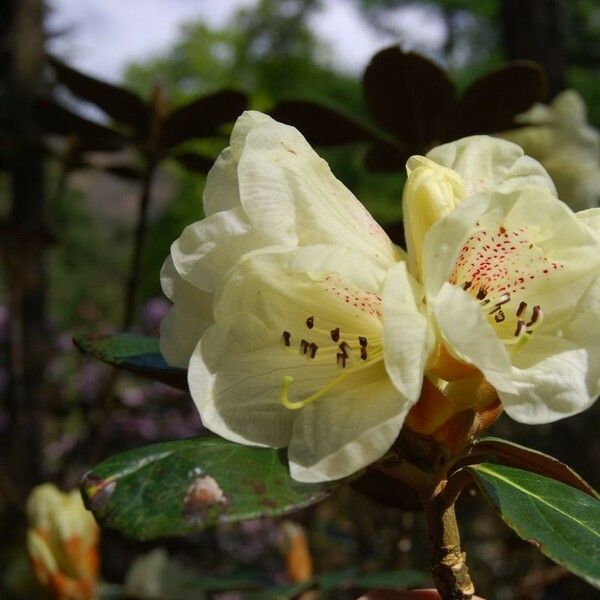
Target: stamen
(362, 341)
(503, 299)
(520, 327)
(313, 349)
(466, 285)
(536, 316)
(303, 348)
(481, 294)
(345, 348)
(310, 322)
(341, 359)
(500, 316)
(521, 308)
(285, 338)
(335, 334)
(363, 353)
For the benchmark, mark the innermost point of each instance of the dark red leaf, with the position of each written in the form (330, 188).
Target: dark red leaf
(122, 105)
(410, 97)
(491, 102)
(321, 125)
(201, 118)
(88, 135)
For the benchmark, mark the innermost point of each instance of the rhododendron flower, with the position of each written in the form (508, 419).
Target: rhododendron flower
(511, 278)
(280, 298)
(62, 541)
(568, 147)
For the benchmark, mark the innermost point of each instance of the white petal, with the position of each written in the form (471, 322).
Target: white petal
(486, 163)
(348, 430)
(591, 218)
(468, 335)
(408, 338)
(222, 190)
(555, 377)
(292, 198)
(207, 249)
(235, 376)
(191, 314)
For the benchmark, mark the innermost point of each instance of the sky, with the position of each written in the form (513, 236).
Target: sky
(99, 38)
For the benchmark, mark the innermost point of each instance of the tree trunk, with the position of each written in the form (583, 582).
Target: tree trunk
(24, 246)
(533, 29)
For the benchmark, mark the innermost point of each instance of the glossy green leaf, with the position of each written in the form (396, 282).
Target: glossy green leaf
(180, 487)
(521, 457)
(562, 521)
(136, 353)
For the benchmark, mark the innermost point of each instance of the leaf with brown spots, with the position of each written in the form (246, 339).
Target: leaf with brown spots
(180, 487)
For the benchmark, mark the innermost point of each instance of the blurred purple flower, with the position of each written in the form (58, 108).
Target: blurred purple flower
(133, 397)
(153, 313)
(88, 380)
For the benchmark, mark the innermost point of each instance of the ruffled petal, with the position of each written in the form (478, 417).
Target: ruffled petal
(291, 196)
(222, 190)
(487, 163)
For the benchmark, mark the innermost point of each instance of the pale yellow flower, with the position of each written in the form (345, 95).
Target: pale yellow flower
(511, 279)
(62, 541)
(559, 136)
(280, 298)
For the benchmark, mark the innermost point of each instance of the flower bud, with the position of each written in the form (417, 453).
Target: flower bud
(62, 542)
(430, 193)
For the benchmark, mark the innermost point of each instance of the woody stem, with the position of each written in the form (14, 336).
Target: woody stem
(449, 566)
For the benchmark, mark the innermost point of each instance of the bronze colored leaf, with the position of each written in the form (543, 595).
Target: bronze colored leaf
(122, 105)
(321, 125)
(491, 102)
(409, 96)
(201, 118)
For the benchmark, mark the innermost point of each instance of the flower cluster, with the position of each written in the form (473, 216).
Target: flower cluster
(303, 325)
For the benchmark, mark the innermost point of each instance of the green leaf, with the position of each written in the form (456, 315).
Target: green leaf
(563, 522)
(521, 457)
(181, 487)
(136, 353)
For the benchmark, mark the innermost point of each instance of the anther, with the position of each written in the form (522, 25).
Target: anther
(466, 285)
(313, 349)
(303, 348)
(345, 348)
(481, 294)
(520, 327)
(500, 316)
(536, 316)
(362, 341)
(521, 308)
(503, 299)
(341, 359)
(335, 334)
(310, 322)
(363, 353)
(285, 338)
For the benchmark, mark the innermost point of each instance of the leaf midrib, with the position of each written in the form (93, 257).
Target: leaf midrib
(529, 493)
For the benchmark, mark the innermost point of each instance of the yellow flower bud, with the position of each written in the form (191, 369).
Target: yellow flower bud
(430, 193)
(62, 541)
